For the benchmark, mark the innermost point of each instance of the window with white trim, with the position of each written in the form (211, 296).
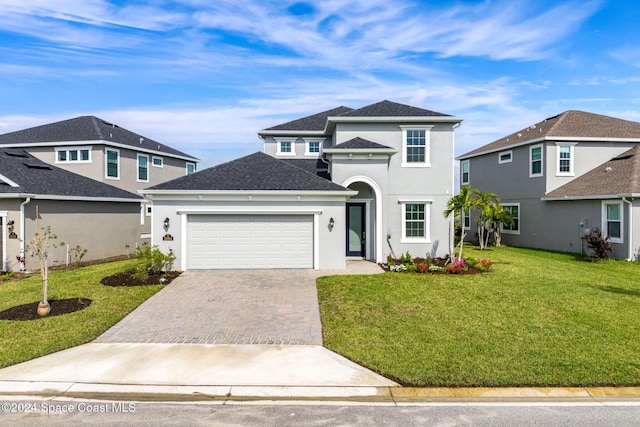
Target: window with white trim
(612, 224)
(157, 161)
(191, 168)
(464, 172)
(535, 160)
(143, 168)
(73, 155)
(313, 147)
(505, 157)
(286, 147)
(467, 219)
(416, 146)
(512, 209)
(565, 160)
(112, 163)
(415, 221)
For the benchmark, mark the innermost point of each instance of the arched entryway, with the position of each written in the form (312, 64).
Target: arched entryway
(363, 216)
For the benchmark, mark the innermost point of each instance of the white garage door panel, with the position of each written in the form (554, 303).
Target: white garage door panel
(249, 241)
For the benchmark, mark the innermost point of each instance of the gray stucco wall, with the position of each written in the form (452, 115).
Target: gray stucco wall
(172, 168)
(105, 229)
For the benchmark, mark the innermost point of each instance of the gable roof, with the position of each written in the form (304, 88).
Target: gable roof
(322, 123)
(22, 175)
(567, 125)
(391, 109)
(313, 122)
(618, 176)
(255, 172)
(360, 143)
(87, 128)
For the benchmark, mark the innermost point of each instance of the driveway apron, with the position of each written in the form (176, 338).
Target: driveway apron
(227, 307)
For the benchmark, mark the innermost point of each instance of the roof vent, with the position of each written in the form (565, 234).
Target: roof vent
(141, 139)
(519, 134)
(37, 166)
(607, 169)
(17, 153)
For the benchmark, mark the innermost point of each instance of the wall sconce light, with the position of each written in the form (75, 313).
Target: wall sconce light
(10, 225)
(166, 223)
(331, 223)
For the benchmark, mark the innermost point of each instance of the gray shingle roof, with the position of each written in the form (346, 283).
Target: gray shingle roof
(391, 109)
(258, 171)
(360, 143)
(313, 122)
(620, 175)
(314, 166)
(36, 177)
(86, 128)
(317, 122)
(571, 123)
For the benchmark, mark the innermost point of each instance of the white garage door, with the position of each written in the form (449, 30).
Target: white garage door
(249, 241)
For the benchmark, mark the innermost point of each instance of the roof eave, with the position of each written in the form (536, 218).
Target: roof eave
(100, 142)
(585, 197)
(544, 139)
(332, 120)
(344, 192)
(265, 132)
(390, 151)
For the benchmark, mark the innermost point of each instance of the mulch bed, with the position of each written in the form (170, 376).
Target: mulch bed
(30, 311)
(126, 279)
(440, 262)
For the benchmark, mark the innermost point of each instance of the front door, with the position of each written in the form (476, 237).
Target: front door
(356, 229)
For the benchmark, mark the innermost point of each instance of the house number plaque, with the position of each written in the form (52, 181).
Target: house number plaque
(167, 237)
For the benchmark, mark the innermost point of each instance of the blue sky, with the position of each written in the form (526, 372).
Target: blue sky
(205, 76)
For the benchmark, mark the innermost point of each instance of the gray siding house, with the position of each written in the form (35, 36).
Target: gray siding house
(561, 178)
(337, 184)
(81, 211)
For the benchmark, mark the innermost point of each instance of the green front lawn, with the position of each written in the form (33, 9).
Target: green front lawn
(539, 319)
(24, 340)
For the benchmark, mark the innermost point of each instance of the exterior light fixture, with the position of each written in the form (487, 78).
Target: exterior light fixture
(166, 223)
(331, 223)
(10, 225)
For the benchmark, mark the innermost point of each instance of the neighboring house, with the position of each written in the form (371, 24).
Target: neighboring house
(341, 183)
(103, 219)
(562, 178)
(105, 152)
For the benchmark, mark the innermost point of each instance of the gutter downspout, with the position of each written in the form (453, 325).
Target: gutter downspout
(630, 249)
(23, 233)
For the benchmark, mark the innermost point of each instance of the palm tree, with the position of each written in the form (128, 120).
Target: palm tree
(485, 201)
(499, 217)
(460, 204)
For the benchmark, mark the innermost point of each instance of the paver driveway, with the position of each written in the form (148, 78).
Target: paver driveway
(231, 307)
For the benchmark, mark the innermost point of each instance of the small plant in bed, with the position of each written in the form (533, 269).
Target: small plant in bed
(152, 268)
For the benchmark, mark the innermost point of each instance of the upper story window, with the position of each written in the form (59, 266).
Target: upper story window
(73, 155)
(464, 172)
(286, 147)
(467, 219)
(612, 225)
(112, 160)
(565, 160)
(535, 160)
(416, 146)
(191, 168)
(143, 168)
(512, 209)
(313, 147)
(505, 157)
(157, 161)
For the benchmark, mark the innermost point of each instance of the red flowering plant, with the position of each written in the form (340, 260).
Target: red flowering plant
(456, 267)
(422, 267)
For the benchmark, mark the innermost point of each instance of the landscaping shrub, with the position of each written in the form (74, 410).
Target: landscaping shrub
(599, 244)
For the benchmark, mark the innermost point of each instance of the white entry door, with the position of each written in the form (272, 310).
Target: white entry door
(249, 241)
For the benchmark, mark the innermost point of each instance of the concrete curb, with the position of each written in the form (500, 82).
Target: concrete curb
(398, 396)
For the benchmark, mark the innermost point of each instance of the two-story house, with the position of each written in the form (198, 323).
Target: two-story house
(341, 183)
(562, 178)
(108, 219)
